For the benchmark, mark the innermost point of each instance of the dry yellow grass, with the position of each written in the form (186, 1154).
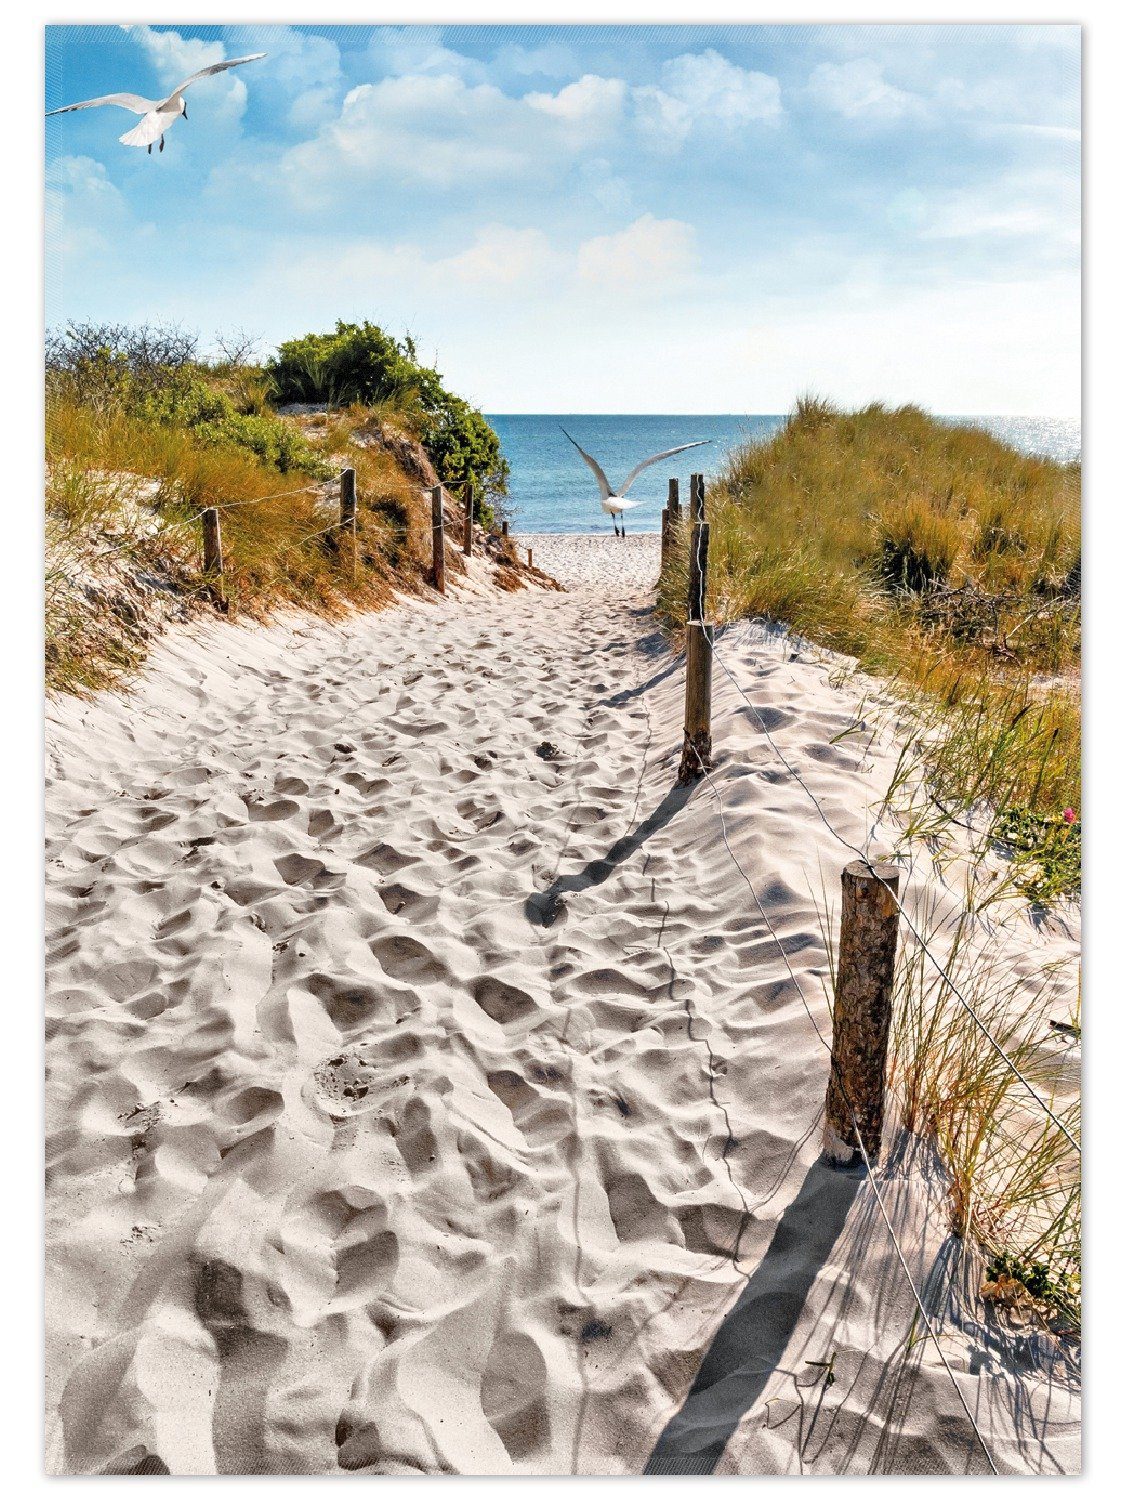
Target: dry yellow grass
(281, 544)
(935, 555)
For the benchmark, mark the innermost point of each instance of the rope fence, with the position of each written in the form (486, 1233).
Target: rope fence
(209, 519)
(872, 907)
(696, 762)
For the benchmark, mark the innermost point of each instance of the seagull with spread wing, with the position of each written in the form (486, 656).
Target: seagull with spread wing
(613, 501)
(159, 114)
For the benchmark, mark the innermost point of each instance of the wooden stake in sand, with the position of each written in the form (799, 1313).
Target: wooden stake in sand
(665, 536)
(696, 757)
(439, 538)
(503, 528)
(695, 503)
(470, 490)
(674, 499)
(213, 555)
(861, 1017)
(529, 557)
(348, 515)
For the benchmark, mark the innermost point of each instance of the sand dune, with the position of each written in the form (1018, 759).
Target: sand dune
(426, 1092)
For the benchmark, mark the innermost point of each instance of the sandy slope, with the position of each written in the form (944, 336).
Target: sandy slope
(425, 1091)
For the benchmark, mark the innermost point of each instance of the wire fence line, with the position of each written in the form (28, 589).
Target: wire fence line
(867, 1164)
(943, 972)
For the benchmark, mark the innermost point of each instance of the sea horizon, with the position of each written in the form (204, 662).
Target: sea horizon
(552, 490)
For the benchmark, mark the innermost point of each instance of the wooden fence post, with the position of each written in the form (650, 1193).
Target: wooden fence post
(348, 515)
(697, 570)
(696, 757)
(503, 528)
(529, 557)
(470, 496)
(695, 503)
(861, 1016)
(438, 518)
(213, 554)
(665, 536)
(674, 499)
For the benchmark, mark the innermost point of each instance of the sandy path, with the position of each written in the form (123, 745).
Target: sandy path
(425, 1091)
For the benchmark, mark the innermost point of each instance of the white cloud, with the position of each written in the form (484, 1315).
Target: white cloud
(401, 50)
(84, 212)
(553, 60)
(435, 131)
(501, 256)
(301, 77)
(591, 101)
(858, 89)
(705, 87)
(650, 254)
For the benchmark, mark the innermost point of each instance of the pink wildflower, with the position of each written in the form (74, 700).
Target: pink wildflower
(1069, 815)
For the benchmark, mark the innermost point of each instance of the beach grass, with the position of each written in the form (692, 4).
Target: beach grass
(129, 489)
(141, 435)
(1013, 1175)
(945, 562)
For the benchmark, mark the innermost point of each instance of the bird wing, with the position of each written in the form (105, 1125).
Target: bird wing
(134, 102)
(219, 67)
(151, 128)
(599, 474)
(656, 457)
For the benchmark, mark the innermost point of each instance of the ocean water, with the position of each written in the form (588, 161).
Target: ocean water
(551, 489)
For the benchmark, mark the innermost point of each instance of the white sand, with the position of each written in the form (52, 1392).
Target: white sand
(425, 1091)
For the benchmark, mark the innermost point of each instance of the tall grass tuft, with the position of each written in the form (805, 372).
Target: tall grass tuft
(1014, 1180)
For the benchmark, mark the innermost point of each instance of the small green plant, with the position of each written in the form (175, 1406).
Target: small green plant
(1045, 849)
(1019, 1281)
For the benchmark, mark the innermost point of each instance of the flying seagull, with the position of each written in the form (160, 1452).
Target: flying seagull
(613, 501)
(159, 114)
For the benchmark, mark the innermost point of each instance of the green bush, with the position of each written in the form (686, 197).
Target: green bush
(194, 405)
(359, 363)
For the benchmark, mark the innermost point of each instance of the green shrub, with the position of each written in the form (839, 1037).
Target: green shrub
(192, 403)
(360, 363)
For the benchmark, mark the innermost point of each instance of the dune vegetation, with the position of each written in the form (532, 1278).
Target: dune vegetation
(947, 564)
(142, 433)
(941, 558)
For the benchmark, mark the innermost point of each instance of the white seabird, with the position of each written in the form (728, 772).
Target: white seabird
(613, 501)
(159, 114)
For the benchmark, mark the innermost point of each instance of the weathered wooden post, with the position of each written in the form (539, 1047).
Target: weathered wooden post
(503, 528)
(529, 557)
(665, 537)
(695, 503)
(439, 538)
(861, 1015)
(696, 757)
(348, 515)
(213, 554)
(674, 499)
(697, 570)
(469, 498)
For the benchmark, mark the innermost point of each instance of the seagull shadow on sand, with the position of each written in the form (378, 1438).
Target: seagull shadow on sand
(753, 1337)
(543, 908)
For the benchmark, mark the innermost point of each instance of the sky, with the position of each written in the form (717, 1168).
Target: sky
(598, 219)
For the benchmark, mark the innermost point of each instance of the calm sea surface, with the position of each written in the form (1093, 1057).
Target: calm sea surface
(553, 490)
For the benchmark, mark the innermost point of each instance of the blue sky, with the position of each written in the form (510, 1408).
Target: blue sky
(595, 218)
